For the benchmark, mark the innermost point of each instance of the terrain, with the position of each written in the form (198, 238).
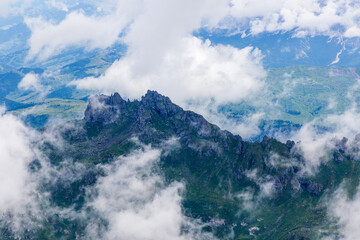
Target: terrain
(249, 130)
(294, 95)
(237, 189)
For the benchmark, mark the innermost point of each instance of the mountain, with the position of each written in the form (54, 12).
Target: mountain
(237, 189)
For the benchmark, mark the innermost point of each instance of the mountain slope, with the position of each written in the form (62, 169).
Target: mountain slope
(238, 189)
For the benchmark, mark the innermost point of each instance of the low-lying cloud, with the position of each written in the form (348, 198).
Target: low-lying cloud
(135, 202)
(346, 213)
(15, 154)
(32, 82)
(317, 139)
(19, 195)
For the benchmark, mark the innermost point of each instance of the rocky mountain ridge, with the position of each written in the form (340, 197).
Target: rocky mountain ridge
(254, 189)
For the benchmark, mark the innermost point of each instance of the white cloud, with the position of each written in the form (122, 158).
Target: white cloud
(190, 70)
(19, 196)
(24, 204)
(247, 127)
(58, 5)
(266, 183)
(316, 144)
(9, 7)
(6, 27)
(80, 30)
(136, 203)
(154, 25)
(149, 19)
(32, 82)
(346, 213)
(195, 71)
(15, 154)
(308, 17)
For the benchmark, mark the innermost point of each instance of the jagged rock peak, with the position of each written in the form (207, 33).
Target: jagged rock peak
(154, 96)
(113, 99)
(153, 112)
(162, 104)
(101, 108)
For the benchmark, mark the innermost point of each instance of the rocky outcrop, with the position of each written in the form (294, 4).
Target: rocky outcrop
(152, 109)
(105, 109)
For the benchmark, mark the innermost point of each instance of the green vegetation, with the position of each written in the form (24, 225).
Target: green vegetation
(299, 94)
(224, 175)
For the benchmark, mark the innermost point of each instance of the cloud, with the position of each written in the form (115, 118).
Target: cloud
(316, 139)
(346, 212)
(15, 154)
(135, 202)
(10, 7)
(58, 5)
(19, 195)
(76, 30)
(196, 71)
(196, 75)
(146, 17)
(24, 174)
(155, 25)
(308, 17)
(247, 126)
(265, 183)
(32, 82)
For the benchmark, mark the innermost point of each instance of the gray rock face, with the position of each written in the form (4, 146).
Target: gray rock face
(156, 117)
(104, 108)
(153, 107)
(159, 103)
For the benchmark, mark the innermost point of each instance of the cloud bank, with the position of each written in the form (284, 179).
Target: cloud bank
(346, 212)
(197, 71)
(76, 30)
(309, 17)
(165, 22)
(15, 154)
(19, 196)
(316, 139)
(135, 202)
